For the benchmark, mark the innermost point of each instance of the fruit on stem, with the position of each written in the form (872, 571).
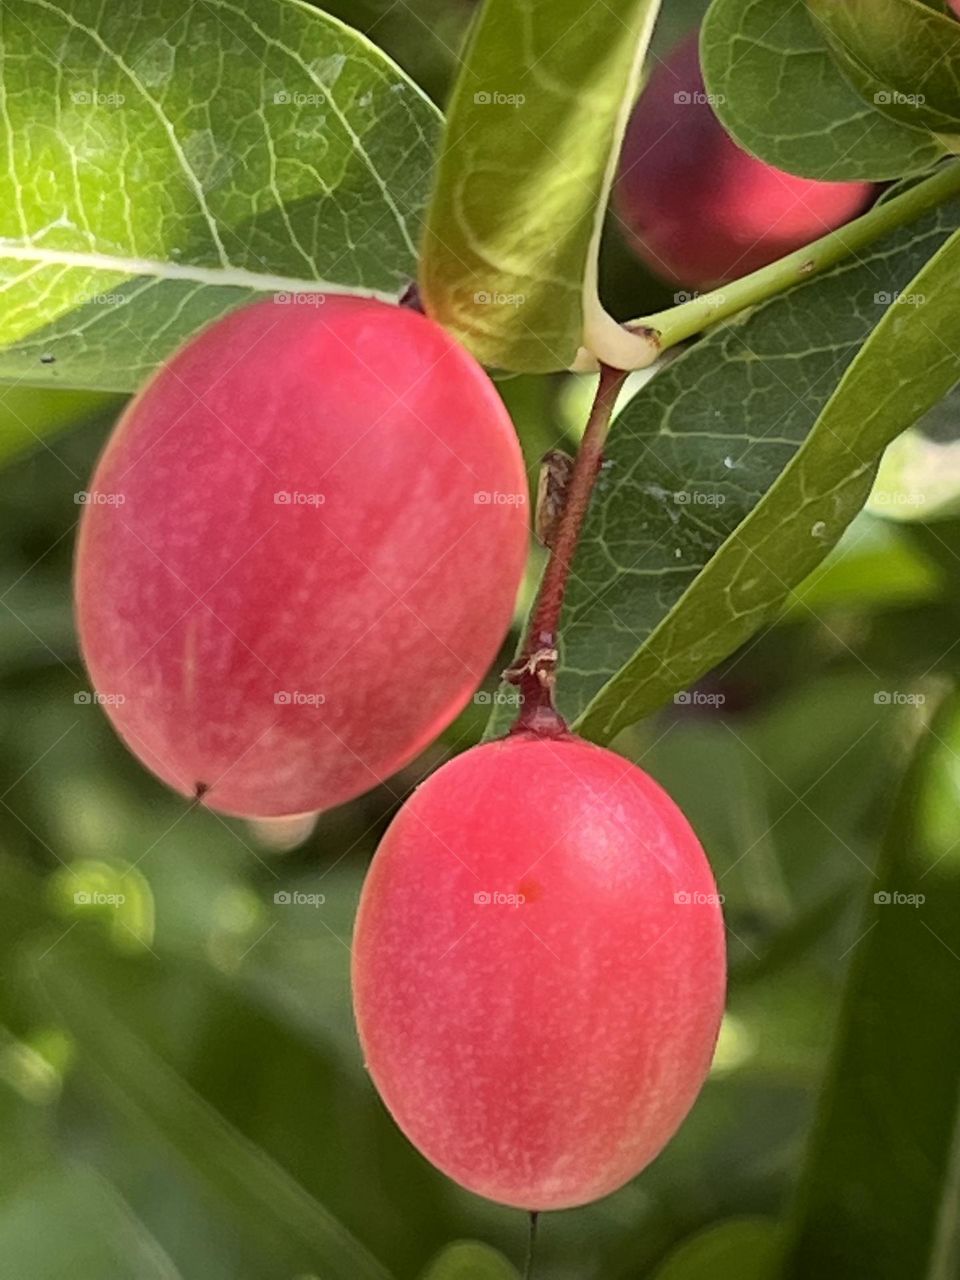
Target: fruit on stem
(538, 970)
(697, 209)
(301, 552)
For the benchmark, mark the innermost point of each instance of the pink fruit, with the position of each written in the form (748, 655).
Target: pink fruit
(300, 553)
(538, 970)
(696, 208)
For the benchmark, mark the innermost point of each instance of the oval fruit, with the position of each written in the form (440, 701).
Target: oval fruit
(697, 209)
(539, 970)
(300, 552)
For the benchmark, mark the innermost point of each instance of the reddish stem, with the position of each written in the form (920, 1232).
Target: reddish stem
(534, 671)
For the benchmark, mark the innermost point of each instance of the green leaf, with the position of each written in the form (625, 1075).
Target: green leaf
(166, 164)
(918, 480)
(66, 1220)
(779, 91)
(530, 148)
(863, 1212)
(467, 1260)
(73, 980)
(735, 470)
(29, 415)
(899, 55)
(741, 1249)
(875, 566)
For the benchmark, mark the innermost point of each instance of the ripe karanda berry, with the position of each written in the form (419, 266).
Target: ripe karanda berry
(539, 970)
(300, 552)
(697, 209)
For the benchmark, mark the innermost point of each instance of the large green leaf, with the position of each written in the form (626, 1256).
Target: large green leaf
(467, 1260)
(167, 162)
(686, 553)
(30, 415)
(878, 1197)
(899, 55)
(530, 148)
(66, 1220)
(74, 983)
(742, 1249)
(783, 97)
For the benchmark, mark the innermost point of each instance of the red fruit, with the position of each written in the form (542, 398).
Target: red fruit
(538, 970)
(698, 210)
(301, 553)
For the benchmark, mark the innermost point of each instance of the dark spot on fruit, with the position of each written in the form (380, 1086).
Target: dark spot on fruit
(529, 890)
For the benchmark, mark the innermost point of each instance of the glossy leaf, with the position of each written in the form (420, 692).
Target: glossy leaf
(696, 450)
(901, 370)
(147, 191)
(900, 56)
(779, 91)
(531, 143)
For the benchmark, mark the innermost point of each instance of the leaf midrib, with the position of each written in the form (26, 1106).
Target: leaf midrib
(238, 277)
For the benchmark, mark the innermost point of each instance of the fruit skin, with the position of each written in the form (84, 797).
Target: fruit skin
(540, 1054)
(698, 210)
(204, 602)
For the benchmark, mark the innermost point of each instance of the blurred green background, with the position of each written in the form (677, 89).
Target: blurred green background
(181, 1092)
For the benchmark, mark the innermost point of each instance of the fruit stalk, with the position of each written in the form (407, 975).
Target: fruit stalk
(531, 1258)
(534, 671)
(690, 318)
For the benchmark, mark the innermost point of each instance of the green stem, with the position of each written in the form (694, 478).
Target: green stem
(690, 318)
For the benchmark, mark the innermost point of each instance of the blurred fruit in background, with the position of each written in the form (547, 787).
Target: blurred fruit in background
(697, 209)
